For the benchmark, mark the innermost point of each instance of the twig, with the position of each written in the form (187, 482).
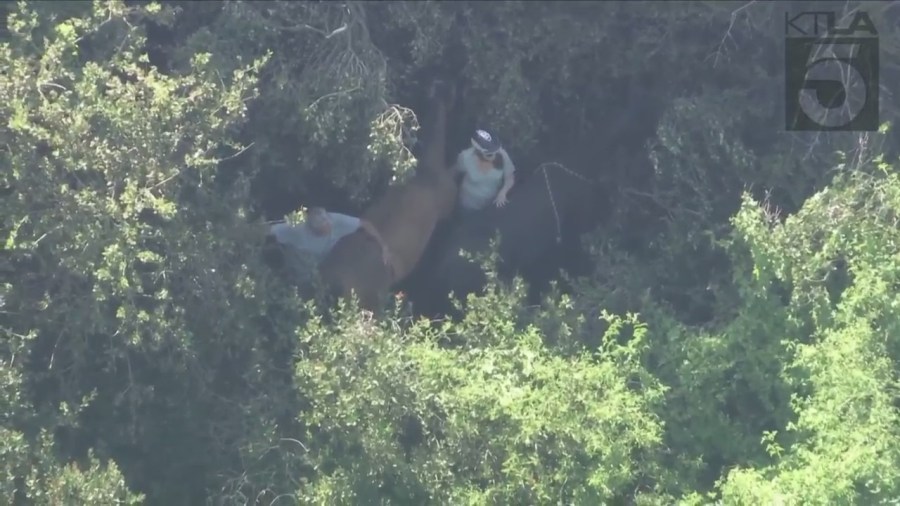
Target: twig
(304, 26)
(727, 35)
(53, 85)
(166, 180)
(324, 34)
(332, 94)
(239, 153)
(292, 440)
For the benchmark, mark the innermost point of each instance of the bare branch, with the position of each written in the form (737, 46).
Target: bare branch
(239, 153)
(292, 440)
(306, 27)
(727, 35)
(332, 94)
(53, 85)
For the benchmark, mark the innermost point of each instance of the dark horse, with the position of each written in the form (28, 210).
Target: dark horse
(544, 219)
(405, 216)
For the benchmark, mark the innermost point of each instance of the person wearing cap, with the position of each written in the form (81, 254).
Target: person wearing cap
(488, 172)
(316, 236)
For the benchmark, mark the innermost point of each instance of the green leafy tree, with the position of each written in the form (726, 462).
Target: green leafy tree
(323, 116)
(134, 258)
(396, 415)
(837, 257)
(31, 469)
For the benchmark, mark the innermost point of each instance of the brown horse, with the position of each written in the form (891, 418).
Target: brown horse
(405, 216)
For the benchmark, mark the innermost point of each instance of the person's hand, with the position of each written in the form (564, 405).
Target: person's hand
(501, 200)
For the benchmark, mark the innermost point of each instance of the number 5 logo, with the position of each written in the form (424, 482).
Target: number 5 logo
(834, 91)
(832, 84)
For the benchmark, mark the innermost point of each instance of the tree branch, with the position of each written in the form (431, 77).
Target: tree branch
(727, 35)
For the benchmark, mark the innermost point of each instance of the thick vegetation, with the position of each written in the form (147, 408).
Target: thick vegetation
(737, 341)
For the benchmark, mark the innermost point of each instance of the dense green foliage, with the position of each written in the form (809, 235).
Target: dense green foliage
(738, 340)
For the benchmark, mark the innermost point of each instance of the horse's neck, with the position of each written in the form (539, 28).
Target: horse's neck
(433, 171)
(434, 157)
(447, 191)
(443, 187)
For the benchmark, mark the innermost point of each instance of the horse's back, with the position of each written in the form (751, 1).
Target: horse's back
(406, 218)
(528, 228)
(525, 226)
(355, 263)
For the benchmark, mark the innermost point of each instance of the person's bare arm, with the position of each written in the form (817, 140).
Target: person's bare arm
(371, 230)
(509, 179)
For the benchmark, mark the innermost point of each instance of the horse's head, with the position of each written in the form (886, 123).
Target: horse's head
(443, 93)
(433, 164)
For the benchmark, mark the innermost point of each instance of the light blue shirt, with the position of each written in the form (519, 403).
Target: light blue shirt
(479, 187)
(303, 240)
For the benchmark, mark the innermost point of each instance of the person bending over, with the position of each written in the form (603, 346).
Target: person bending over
(321, 230)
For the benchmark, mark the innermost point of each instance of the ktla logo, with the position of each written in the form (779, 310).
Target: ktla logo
(831, 73)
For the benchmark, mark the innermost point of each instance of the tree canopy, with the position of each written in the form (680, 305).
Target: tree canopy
(736, 341)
